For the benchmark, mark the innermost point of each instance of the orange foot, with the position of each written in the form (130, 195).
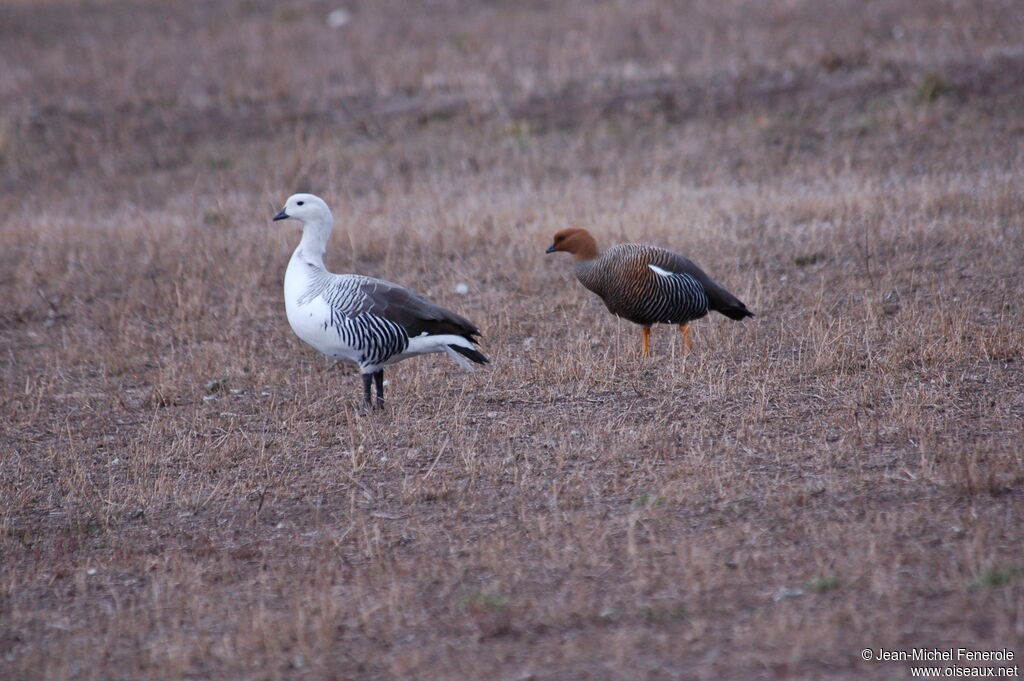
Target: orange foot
(684, 330)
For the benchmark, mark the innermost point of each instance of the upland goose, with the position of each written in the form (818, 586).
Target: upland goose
(367, 321)
(646, 284)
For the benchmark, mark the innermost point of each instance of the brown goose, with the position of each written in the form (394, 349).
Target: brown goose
(646, 284)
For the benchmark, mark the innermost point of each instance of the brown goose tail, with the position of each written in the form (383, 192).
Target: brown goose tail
(738, 311)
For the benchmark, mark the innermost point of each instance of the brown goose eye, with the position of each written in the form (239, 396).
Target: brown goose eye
(299, 203)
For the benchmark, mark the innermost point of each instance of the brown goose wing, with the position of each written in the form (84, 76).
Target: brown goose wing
(719, 299)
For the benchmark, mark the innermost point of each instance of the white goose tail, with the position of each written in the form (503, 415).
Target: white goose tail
(461, 350)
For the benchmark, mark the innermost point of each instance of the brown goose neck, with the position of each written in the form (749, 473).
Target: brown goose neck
(585, 248)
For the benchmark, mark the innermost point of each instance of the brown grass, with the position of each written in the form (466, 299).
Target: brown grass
(187, 491)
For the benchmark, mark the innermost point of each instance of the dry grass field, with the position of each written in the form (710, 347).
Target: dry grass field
(188, 492)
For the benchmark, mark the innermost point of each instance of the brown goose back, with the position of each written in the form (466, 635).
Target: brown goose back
(676, 292)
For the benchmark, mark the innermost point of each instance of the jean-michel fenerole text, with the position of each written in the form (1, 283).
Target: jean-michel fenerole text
(945, 654)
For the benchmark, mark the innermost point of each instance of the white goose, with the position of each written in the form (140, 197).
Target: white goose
(367, 321)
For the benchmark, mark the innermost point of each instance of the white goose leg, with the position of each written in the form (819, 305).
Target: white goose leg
(378, 379)
(367, 386)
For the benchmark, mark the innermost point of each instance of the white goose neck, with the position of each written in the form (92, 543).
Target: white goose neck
(315, 233)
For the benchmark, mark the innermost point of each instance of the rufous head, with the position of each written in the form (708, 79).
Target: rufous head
(575, 240)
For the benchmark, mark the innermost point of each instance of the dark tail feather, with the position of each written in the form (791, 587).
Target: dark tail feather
(736, 312)
(470, 353)
(722, 301)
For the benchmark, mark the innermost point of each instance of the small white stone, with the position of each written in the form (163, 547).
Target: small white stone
(787, 593)
(90, 571)
(461, 289)
(337, 18)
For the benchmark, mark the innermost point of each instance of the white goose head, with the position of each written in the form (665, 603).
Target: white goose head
(306, 208)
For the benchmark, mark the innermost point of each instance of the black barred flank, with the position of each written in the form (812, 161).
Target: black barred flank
(677, 299)
(376, 338)
(377, 318)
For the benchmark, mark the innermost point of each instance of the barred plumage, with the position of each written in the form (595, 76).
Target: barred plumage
(374, 339)
(632, 289)
(368, 321)
(646, 284)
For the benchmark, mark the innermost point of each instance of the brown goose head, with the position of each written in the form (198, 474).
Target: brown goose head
(577, 241)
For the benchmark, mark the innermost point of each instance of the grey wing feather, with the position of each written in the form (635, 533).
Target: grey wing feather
(415, 314)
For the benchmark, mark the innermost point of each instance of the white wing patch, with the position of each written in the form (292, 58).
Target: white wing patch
(660, 272)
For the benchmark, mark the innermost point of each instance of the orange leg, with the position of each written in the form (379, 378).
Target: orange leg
(684, 330)
(645, 349)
